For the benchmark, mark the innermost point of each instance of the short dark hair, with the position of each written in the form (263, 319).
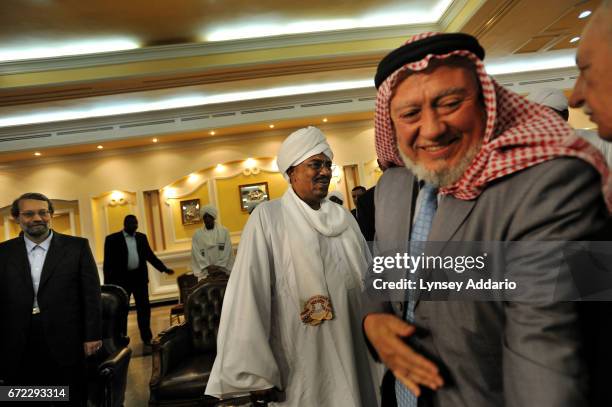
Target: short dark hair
(563, 113)
(128, 217)
(29, 195)
(359, 187)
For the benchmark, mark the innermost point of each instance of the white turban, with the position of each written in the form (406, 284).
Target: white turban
(550, 97)
(337, 194)
(299, 146)
(208, 209)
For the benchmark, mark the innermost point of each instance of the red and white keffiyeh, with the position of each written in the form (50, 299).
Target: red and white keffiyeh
(519, 134)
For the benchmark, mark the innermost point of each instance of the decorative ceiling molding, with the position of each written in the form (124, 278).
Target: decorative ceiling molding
(192, 119)
(359, 125)
(451, 13)
(497, 15)
(211, 48)
(41, 94)
(526, 82)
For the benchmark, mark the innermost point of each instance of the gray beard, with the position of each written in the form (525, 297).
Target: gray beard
(444, 177)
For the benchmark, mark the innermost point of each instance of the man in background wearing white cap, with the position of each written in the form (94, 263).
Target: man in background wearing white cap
(291, 316)
(211, 245)
(556, 100)
(593, 88)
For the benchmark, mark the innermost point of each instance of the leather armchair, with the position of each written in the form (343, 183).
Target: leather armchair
(186, 284)
(183, 354)
(108, 369)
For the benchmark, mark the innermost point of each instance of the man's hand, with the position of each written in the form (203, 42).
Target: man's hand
(169, 272)
(385, 333)
(92, 347)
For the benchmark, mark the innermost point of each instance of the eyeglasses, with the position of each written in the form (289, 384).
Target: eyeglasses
(43, 213)
(318, 165)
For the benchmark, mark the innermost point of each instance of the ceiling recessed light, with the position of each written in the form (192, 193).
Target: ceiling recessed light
(155, 140)
(584, 14)
(100, 147)
(212, 133)
(271, 126)
(325, 120)
(37, 154)
(575, 39)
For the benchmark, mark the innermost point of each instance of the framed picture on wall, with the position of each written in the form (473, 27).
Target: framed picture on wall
(190, 211)
(253, 194)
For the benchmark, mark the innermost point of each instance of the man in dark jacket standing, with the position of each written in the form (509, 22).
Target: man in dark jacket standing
(126, 254)
(49, 303)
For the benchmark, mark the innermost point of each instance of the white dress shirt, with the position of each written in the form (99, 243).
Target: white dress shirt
(133, 260)
(37, 253)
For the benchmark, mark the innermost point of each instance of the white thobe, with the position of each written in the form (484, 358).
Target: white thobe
(262, 343)
(211, 248)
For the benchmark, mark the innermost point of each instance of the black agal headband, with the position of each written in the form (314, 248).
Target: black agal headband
(415, 51)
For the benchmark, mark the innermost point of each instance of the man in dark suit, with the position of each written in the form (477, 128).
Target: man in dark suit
(50, 302)
(126, 254)
(356, 192)
(365, 208)
(365, 214)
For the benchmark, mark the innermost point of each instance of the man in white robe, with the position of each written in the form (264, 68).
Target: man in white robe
(211, 245)
(291, 316)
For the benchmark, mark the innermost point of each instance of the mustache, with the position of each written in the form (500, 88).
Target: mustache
(322, 178)
(445, 138)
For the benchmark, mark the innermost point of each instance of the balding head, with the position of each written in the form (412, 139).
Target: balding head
(593, 88)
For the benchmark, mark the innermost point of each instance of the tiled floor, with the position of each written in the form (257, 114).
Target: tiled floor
(139, 372)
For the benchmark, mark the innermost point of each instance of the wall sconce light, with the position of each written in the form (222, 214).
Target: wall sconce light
(335, 171)
(336, 174)
(192, 178)
(250, 167)
(170, 192)
(219, 168)
(250, 171)
(117, 198)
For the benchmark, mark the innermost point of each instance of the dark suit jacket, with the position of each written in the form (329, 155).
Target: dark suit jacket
(116, 258)
(68, 297)
(501, 353)
(365, 214)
